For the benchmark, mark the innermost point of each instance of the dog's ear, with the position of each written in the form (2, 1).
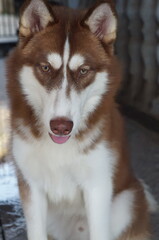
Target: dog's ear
(35, 16)
(102, 21)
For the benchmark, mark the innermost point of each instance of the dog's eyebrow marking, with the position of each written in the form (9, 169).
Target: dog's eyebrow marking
(76, 61)
(55, 60)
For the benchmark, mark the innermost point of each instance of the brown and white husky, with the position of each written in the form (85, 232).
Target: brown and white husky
(68, 140)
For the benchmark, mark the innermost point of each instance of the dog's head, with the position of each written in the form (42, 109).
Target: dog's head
(64, 65)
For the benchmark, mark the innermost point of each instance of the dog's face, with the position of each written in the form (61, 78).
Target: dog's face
(64, 64)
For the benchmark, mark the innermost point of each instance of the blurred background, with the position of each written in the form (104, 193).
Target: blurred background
(137, 47)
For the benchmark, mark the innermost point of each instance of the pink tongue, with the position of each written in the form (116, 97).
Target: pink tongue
(58, 139)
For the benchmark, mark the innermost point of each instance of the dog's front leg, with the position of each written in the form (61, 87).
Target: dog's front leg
(35, 210)
(98, 195)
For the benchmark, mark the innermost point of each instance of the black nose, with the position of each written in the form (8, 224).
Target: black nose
(61, 126)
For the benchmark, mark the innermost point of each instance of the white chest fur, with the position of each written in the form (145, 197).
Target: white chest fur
(60, 170)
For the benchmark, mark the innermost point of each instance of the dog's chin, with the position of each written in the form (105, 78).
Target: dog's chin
(59, 139)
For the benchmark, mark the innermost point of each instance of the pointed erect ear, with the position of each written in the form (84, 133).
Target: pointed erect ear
(102, 21)
(35, 16)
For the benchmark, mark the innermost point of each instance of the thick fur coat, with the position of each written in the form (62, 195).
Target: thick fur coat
(68, 139)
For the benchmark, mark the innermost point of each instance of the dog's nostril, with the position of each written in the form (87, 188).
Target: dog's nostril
(61, 126)
(66, 132)
(55, 131)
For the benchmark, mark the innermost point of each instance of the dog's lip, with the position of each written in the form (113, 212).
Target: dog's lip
(59, 139)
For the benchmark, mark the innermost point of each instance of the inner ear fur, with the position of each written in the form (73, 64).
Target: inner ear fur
(35, 15)
(101, 19)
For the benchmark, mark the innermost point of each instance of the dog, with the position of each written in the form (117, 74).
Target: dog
(68, 141)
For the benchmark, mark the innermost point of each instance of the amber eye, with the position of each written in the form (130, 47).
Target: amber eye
(84, 70)
(45, 67)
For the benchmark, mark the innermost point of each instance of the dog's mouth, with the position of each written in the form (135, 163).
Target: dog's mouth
(59, 139)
